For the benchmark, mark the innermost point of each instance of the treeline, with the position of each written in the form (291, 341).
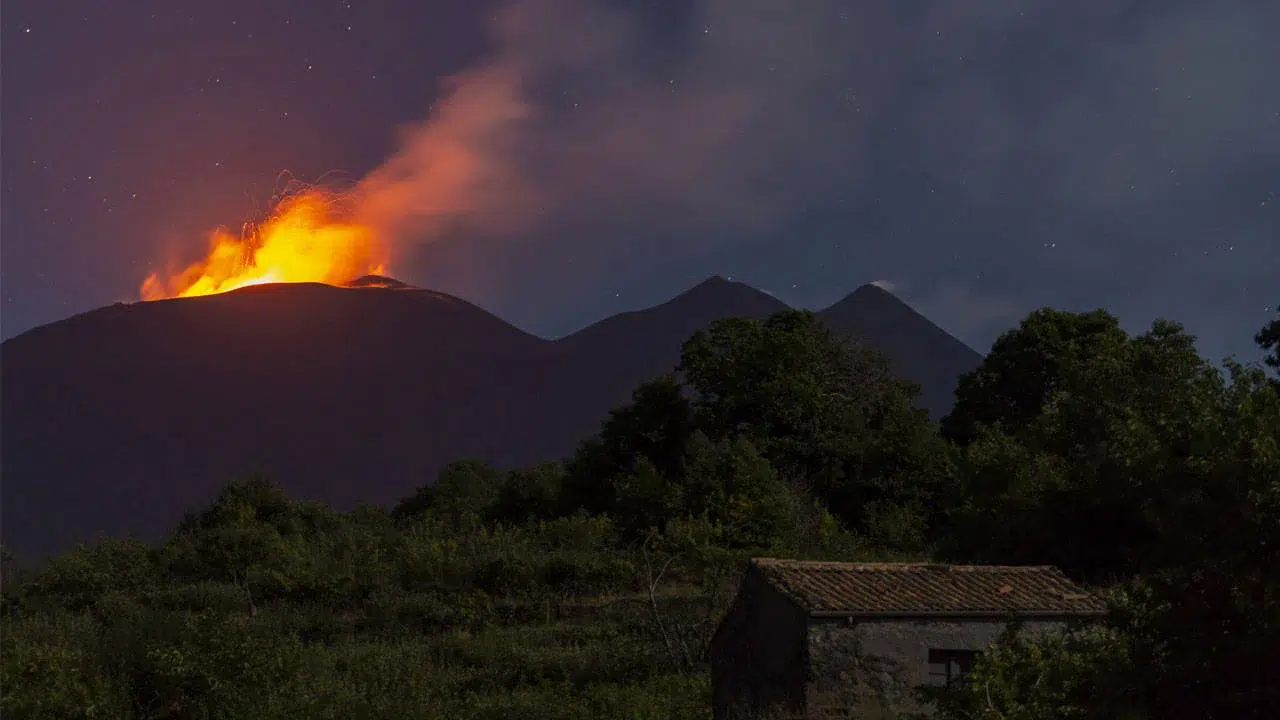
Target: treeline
(590, 587)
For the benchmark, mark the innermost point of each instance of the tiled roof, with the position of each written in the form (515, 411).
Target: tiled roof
(926, 589)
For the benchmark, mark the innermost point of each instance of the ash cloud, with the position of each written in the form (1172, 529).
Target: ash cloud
(1060, 151)
(576, 113)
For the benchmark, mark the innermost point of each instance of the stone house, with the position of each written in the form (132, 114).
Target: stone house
(807, 639)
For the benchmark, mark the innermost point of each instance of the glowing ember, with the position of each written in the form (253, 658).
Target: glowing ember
(305, 240)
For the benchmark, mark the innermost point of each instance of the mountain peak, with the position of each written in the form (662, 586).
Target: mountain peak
(378, 281)
(715, 280)
(871, 292)
(317, 385)
(668, 325)
(872, 306)
(875, 315)
(716, 289)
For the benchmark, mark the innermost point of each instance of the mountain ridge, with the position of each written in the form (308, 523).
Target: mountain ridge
(381, 282)
(119, 419)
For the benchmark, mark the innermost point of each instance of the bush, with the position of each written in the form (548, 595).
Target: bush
(581, 573)
(1078, 675)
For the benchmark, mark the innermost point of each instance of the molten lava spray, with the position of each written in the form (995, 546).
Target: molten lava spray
(306, 239)
(496, 160)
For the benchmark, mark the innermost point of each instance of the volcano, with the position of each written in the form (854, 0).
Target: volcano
(118, 421)
(378, 281)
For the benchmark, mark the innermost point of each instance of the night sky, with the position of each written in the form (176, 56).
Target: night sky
(980, 158)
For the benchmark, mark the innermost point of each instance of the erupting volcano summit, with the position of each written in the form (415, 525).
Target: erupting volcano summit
(309, 237)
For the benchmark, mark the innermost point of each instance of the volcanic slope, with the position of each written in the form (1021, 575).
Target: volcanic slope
(918, 349)
(119, 420)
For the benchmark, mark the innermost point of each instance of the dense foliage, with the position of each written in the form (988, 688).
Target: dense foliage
(591, 587)
(1141, 466)
(1268, 338)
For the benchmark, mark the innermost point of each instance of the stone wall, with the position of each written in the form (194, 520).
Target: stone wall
(757, 656)
(873, 666)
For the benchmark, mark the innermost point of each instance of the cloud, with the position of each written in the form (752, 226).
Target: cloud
(1114, 108)
(980, 134)
(886, 285)
(573, 115)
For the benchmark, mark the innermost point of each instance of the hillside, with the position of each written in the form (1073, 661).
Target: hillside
(119, 420)
(919, 350)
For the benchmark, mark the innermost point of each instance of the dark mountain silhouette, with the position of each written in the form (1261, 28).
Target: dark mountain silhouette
(597, 368)
(119, 420)
(918, 349)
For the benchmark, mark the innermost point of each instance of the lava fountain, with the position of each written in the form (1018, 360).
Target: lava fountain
(306, 238)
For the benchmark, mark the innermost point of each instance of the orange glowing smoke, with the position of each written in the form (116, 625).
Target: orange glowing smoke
(306, 239)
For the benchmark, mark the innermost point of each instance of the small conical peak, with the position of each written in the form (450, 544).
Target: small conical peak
(872, 295)
(718, 290)
(715, 281)
(378, 281)
(873, 289)
(715, 284)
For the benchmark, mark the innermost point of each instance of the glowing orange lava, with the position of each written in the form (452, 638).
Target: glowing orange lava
(305, 240)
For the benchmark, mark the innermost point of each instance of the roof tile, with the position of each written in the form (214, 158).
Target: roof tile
(921, 588)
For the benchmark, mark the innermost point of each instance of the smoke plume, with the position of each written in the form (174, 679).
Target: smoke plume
(577, 112)
(981, 134)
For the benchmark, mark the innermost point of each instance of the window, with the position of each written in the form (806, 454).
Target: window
(947, 666)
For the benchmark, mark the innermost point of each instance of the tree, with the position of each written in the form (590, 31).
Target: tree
(655, 426)
(1205, 621)
(825, 413)
(530, 493)
(1172, 468)
(1268, 338)
(787, 382)
(1025, 368)
(78, 579)
(1112, 443)
(757, 506)
(644, 499)
(463, 489)
(999, 516)
(240, 538)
